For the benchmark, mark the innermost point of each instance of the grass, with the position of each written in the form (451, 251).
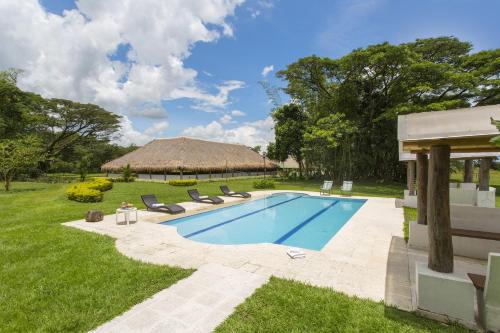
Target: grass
(59, 279)
(289, 306)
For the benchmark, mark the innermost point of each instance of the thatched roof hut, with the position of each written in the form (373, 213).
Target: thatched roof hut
(189, 155)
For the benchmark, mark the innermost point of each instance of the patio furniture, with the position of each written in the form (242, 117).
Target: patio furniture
(230, 193)
(488, 294)
(346, 187)
(326, 188)
(152, 204)
(195, 195)
(126, 214)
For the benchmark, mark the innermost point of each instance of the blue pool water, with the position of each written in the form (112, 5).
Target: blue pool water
(286, 218)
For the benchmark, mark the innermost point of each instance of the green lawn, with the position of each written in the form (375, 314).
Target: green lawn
(289, 306)
(59, 279)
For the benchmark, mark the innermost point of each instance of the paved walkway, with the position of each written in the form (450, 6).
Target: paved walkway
(198, 303)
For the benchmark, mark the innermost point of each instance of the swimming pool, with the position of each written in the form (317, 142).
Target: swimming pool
(293, 219)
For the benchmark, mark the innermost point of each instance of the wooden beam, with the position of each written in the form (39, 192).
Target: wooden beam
(457, 145)
(438, 211)
(422, 175)
(484, 174)
(468, 171)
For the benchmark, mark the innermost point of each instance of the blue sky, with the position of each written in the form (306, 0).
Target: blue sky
(276, 33)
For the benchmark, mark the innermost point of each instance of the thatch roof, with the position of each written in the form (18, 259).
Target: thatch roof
(187, 154)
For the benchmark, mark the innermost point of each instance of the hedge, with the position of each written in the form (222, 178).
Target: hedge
(84, 194)
(182, 182)
(263, 184)
(91, 191)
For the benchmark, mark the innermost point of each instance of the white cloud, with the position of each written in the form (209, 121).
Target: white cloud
(266, 70)
(68, 56)
(210, 103)
(237, 113)
(157, 129)
(226, 119)
(251, 134)
(129, 135)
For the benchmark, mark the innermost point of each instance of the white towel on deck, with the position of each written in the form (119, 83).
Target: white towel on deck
(295, 253)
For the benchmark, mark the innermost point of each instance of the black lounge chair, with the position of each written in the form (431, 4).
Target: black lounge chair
(152, 204)
(195, 195)
(227, 192)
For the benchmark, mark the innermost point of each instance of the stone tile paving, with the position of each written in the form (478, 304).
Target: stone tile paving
(196, 304)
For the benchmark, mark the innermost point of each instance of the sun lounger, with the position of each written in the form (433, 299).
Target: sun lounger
(195, 195)
(230, 193)
(488, 294)
(326, 188)
(152, 204)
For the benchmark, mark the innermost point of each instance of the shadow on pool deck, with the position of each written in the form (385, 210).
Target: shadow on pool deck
(397, 282)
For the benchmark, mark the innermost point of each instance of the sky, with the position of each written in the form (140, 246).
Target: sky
(192, 67)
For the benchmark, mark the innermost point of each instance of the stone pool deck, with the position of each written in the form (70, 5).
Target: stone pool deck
(366, 258)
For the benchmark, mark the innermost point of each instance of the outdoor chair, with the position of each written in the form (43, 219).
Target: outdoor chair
(488, 294)
(326, 188)
(230, 193)
(152, 204)
(346, 188)
(195, 195)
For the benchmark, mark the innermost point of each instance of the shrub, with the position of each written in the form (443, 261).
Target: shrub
(182, 182)
(100, 184)
(263, 184)
(82, 193)
(122, 180)
(127, 175)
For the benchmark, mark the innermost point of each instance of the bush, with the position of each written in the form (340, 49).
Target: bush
(263, 184)
(82, 193)
(182, 182)
(100, 184)
(122, 180)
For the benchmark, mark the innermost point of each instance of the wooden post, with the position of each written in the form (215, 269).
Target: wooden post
(196, 174)
(164, 175)
(438, 211)
(410, 177)
(422, 173)
(484, 174)
(150, 176)
(468, 171)
(209, 174)
(181, 174)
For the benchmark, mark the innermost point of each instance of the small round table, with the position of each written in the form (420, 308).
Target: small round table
(126, 214)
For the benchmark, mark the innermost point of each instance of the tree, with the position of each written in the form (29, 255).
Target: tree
(127, 174)
(289, 133)
(66, 122)
(83, 167)
(256, 149)
(17, 155)
(355, 100)
(496, 139)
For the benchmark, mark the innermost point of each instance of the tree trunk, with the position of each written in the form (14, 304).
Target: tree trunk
(484, 174)
(7, 184)
(422, 174)
(438, 211)
(410, 177)
(468, 171)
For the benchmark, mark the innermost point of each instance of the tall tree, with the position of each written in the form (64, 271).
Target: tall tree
(351, 103)
(289, 129)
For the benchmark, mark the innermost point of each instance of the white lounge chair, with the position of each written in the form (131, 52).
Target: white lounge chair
(346, 187)
(326, 188)
(488, 294)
